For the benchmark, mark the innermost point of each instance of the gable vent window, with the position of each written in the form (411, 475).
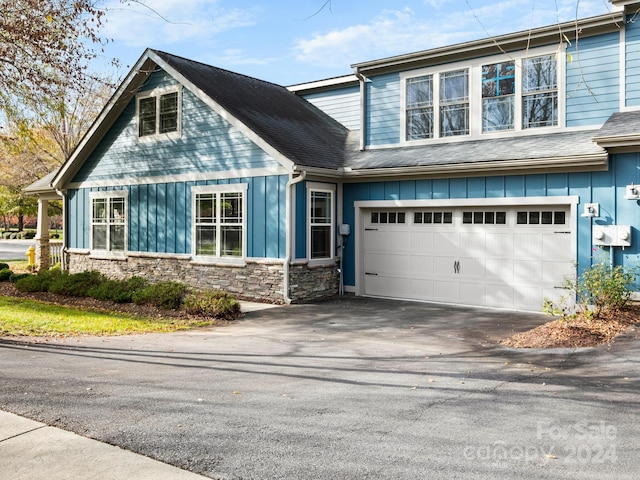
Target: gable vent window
(158, 114)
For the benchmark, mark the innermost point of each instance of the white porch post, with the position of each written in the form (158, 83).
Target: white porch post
(43, 250)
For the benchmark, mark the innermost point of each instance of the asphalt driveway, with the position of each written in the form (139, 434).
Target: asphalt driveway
(351, 388)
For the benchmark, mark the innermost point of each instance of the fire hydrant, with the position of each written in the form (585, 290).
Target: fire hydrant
(31, 256)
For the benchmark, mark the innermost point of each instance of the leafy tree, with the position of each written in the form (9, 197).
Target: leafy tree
(45, 44)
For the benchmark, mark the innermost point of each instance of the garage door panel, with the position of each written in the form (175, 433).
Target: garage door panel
(472, 267)
(499, 295)
(472, 293)
(444, 265)
(511, 264)
(447, 291)
(555, 246)
(527, 245)
(445, 242)
(421, 289)
(499, 244)
(527, 271)
(421, 265)
(421, 242)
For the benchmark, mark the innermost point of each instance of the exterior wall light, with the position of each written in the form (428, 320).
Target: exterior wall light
(591, 210)
(633, 192)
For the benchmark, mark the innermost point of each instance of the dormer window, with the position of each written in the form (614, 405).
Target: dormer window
(158, 114)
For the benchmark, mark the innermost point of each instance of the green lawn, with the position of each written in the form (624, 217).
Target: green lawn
(32, 318)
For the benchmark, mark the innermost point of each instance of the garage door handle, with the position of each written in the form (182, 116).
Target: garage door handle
(562, 232)
(370, 229)
(369, 273)
(456, 267)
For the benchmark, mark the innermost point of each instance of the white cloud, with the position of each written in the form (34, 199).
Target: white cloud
(395, 32)
(390, 33)
(165, 22)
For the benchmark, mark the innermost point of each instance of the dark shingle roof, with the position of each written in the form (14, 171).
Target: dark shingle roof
(290, 124)
(621, 124)
(532, 147)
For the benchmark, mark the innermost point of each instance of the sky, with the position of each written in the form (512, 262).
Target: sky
(296, 41)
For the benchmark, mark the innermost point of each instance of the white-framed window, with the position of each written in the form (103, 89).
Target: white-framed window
(219, 221)
(108, 221)
(158, 113)
(320, 232)
(492, 95)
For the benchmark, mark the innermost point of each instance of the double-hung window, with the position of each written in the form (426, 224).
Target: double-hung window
(108, 221)
(158, 113)
(219, 213)
(320, 200)
(539, 92)
(489, 95)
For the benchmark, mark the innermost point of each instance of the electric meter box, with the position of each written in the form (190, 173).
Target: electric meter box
(612, 235)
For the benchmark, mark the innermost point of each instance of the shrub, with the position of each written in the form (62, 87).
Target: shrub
(6, 235)
(13, 236)
(164, 294)
(29, 235)
(119, 291)
(4, 266)
(38, 283)
(76, 284)
(18, 276)
(600, 289)
(5, 273)
(213, 304)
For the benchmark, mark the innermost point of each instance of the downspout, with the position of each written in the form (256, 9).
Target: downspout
(363, 108)
(290, 223)
(63, 256)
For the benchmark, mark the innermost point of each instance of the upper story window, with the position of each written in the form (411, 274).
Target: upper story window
(158, 113)
(219, 221)
(495, 94)
(108, 221)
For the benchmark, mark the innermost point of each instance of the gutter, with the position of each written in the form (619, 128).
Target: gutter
(290, 223)
(363, 107)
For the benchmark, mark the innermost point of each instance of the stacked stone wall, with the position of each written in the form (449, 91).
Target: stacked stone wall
(260, 281)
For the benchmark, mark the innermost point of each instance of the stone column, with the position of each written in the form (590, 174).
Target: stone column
(42, 235)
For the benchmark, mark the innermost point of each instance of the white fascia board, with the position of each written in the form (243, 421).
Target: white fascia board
(220, 110)
(494, 168)
(618, 141)
(470, 202)
(116, 104)
(346, 80)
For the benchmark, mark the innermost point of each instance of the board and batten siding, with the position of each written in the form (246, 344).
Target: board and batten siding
(383, 104)
(208, 143)
(342, 104)
(593, 80)
(159, 216)
(606, 188)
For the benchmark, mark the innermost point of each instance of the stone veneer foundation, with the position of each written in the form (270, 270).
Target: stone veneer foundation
(256, 280)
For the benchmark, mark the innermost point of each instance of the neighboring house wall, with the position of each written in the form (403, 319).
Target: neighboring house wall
(606, 188)
(343, 104)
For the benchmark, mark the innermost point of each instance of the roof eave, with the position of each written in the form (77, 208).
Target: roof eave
(616, 141)
(594, 162)
(495, 45)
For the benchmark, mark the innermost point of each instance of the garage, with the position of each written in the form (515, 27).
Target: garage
(505, 256)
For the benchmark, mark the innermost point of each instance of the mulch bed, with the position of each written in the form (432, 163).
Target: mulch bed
(578, 332)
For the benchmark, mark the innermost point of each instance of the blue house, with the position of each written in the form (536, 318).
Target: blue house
(477, 174)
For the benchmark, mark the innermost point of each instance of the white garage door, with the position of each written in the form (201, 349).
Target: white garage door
(510, 257)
